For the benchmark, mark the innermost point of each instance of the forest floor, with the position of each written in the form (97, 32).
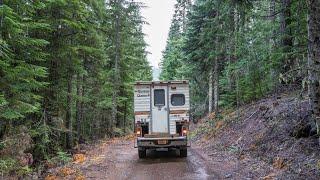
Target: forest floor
(268, 139)
(272, 138)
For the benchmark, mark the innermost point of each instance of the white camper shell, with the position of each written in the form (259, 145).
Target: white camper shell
(161, 111)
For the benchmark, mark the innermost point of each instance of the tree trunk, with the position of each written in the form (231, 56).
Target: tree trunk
(216, 85)
(273, 21)
(287, 39)
(186, 7)
(54, 76)
(83, 106)
(1, 37)
(314, 59)
(272, 15)
(1, 17)
(231, 44)
(116, 66)
(79, 105)
(69, 112)
(125, 116)
(210, 93)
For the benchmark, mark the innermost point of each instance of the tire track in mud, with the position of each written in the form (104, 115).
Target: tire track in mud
(120, 161)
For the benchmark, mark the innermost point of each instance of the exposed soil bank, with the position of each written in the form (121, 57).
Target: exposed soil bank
(272, 138)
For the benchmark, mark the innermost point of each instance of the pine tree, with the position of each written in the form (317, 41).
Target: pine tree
(21, 52)
(64, 51)
(172, 56)
(313, 59)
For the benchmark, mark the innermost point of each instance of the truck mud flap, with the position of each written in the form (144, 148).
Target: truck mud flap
(188, 142)
(135, 143)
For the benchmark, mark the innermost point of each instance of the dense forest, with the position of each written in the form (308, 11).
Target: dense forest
(67, 67)
(66, 74)
(234, 52)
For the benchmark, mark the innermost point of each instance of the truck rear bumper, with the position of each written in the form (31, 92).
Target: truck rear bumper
(170, 142)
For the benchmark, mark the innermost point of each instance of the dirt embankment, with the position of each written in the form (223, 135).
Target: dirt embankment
(271, 138)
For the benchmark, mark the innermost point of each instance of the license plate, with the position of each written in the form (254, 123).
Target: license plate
(162, 141)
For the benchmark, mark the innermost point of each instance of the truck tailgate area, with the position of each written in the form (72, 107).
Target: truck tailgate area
(162, 142)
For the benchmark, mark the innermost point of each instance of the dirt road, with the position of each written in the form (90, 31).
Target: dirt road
(119, 160)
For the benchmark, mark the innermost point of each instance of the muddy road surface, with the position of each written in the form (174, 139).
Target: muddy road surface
(119, 160)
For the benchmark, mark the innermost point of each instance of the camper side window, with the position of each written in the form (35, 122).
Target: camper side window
(159, 97)
(178, 100)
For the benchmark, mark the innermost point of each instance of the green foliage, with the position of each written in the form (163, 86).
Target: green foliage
(248, 43)
(61, 158)
(118, 132)
(40, 133)
(173, 54)
(7, 165)
(10, 165)
(20, 52)
(67, 66)
(2, 145)
(24, 171)
(57, 70)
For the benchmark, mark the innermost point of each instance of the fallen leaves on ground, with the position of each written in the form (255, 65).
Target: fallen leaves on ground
(97, 159)
(269, 177)
(242, 157)
(80, 177)
(212, 115)
(219, 124)
(253, 147)
(130, 137)
(51, 177)
(66, 171)
(278, 163)
(79, 158)
(49, 165)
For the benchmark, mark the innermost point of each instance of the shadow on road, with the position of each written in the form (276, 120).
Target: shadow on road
(154, 156)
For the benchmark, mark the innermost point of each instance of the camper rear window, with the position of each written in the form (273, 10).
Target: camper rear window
(159, 97)
(177, 99)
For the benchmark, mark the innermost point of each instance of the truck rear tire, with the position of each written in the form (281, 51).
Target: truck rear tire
(142, 153)
(184, 152)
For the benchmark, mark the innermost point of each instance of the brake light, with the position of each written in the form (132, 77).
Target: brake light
(138, 131)
(184, 131)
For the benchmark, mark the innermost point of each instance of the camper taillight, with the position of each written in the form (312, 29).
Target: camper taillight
(184, 131)
(138, 131)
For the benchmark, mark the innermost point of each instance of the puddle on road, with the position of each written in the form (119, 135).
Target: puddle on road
(190, 167)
